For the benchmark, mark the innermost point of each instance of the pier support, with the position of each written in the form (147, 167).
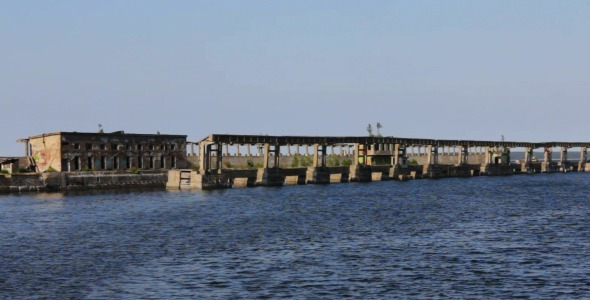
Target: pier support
(318, 173)
(547, 160)
(563, 166)
(463, 156)
(430, 167)
(582, 162)
(268, 176)
(527, 166)
(399, 162)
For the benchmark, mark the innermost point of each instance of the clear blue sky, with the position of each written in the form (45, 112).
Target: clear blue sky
(431, 69)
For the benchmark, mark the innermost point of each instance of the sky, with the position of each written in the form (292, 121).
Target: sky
(427, 69)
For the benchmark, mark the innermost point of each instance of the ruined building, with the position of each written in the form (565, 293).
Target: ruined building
(83, 151)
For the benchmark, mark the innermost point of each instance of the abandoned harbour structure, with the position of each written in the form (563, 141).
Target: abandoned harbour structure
(371, 159)
(77, 160)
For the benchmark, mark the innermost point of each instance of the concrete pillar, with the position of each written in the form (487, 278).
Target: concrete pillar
(548, 155)
(324, 154)
(248, 150)
(488, 156)
(192, 149)
(297, 150)
(582, 163)
(203, 158)
(315, 155)
(266, 156)
(238, 150)
(432, 153)
(288, 150)
(463, 155)
(307, 150)
(547, 158)
(356, 155)
(219, 151)
(563, 158)
(27, 151)
(341, 150)
(226, 149)
(528, 155)
(277, 153)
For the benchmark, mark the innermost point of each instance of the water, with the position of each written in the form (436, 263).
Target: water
(503, 237)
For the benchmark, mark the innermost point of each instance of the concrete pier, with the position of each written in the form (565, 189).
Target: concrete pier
(363, 159)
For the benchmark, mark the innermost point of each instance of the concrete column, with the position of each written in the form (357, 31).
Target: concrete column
(341, 150)
(463, 155)
(248, 150)
(266, 156)
(582, 163)
(563, 158)
(488, 156)
(238, 150)
(297, 149)
(324, 154)
(548, 155)
(277, 153)
(226, 149)
(307, 150)
(203, 157)
(219, 151)
(192, 149)
(528, 155)
(395, 156)
(315, 155)
(356, 156)
(429, 153)
(288, 150)
(507, 152)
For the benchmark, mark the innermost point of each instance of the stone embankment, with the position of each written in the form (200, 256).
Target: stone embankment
(48, 182)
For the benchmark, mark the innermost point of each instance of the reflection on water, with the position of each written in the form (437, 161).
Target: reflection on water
(506, 237)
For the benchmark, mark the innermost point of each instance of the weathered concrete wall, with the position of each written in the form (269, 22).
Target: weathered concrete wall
(72, 181)
(47, 152)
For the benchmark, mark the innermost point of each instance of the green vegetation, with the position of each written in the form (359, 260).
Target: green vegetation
(4, 172)
(347, 162)
(333, 161)
(306, 161)
(250, 164)
(50, 170)
(413, 162)
(301, 161)
(135, 170)
(228, 165)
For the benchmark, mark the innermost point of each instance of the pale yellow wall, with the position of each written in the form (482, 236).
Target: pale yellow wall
(47, 152)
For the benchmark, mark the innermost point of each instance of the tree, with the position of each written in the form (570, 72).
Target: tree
(379, 126)
(370, 130)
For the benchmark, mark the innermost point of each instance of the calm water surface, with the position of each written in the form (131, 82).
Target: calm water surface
(504, 237)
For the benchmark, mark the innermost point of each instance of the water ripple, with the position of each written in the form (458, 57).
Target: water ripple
(507, 237)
